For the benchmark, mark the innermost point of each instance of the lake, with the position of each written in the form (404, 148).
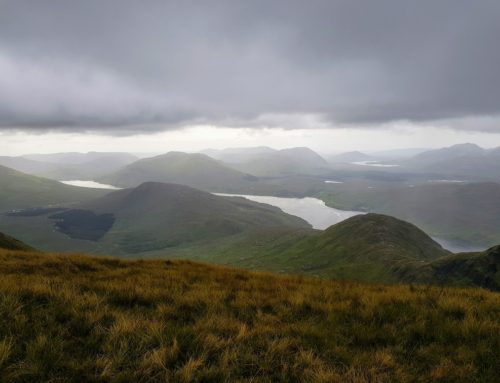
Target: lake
(456, 247)
(374, 163)
(313, 210)
(320, 216)
(89, 184)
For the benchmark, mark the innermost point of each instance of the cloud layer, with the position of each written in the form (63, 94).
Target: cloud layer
(120, 65)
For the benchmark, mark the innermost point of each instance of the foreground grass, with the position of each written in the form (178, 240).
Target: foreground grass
(71, 318)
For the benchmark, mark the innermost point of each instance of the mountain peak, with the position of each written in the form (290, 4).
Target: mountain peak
(376, 233)
(193, 169)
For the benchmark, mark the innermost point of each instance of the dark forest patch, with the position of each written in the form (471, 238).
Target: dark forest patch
(83, 224)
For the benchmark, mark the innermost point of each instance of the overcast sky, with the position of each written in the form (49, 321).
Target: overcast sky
(347, 71)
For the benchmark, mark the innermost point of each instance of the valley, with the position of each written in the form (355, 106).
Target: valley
(249, 191)
(335, 225)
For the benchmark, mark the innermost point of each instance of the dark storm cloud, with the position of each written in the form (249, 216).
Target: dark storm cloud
(161, 64)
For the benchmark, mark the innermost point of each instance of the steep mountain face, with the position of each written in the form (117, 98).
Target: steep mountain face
(10, 243)
(195, 170)
(20, 191)
(69, 166)
(238, 155)
(286, 162)
(157, 216)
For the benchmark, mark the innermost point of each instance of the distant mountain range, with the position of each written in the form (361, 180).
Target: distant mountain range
(267, 162)
(349, 157)
(195, 170)
(415, 191)
(239, 155)
(463, 161)
(286, 162)
(162, 214)
(69, 166)
(467, 162)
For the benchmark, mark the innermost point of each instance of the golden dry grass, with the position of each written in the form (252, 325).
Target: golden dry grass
(73, 318)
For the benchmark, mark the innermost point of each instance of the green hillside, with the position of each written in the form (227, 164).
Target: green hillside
(466, 269)
(72, 318)
(20, 191)
(195, 170)
(369, 247)
(10, 243)
(158, 216)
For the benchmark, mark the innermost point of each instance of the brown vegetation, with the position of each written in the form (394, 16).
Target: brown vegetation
(73, 318)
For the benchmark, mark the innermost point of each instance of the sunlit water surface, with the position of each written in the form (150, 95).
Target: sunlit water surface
(89, 184)
(312, 210)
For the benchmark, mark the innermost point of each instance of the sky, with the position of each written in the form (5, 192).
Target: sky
(153, 76)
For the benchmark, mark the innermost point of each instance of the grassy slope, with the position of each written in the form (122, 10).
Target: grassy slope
(154, 217)
(9, 243)
(19, 190)
(80, 319)
(157, 216)
(368, 247)
(466, 269)
(468, 212)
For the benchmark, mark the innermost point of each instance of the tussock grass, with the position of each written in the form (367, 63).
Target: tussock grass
(73, 318)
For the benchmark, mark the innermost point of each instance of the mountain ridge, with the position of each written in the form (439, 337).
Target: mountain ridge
(191, 169)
